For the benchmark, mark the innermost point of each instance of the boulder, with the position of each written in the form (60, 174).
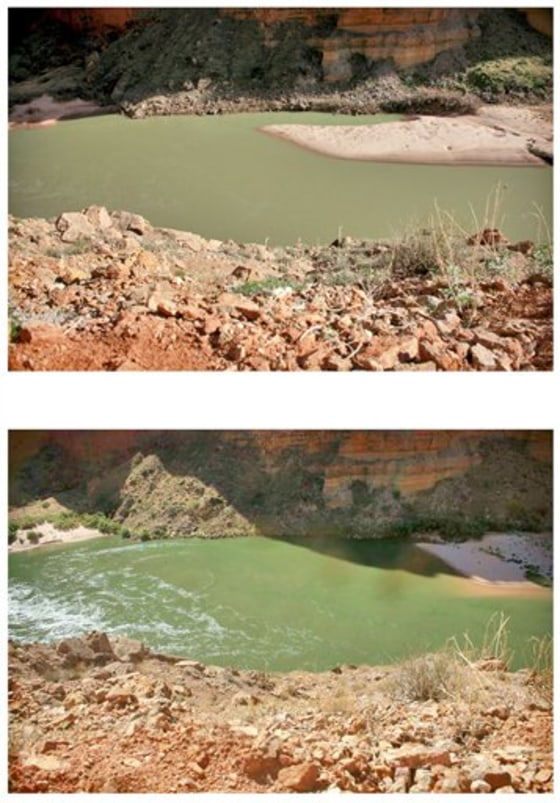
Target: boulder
(482, 358)
(414, 756)
(299, 777)
(162, 305)
(261, 767)
(75, 651)
(40, 332)
(121, 697)
(128, 221)
(99, 217)
(99, 643)
(128, 649)
(74, 226)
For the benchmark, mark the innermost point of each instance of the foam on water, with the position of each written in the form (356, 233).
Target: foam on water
(245, 603)
(33, 615)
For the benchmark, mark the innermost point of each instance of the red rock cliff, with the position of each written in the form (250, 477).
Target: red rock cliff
(408, 465)
(407, 36)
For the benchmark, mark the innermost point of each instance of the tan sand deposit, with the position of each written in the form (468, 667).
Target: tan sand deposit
(496, 136)
(48, 534)
(497, 558)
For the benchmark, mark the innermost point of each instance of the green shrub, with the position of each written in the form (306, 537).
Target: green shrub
(266, 286)
(511, 76)
(542, 258)
(27, 523)
(34, 536)
(534, 575)
(101, 522)
(12, 532)
(453, 528)
(67, 520)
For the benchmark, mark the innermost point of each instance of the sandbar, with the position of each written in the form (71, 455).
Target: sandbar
(47, 534)
(492, 136)
(497, 558)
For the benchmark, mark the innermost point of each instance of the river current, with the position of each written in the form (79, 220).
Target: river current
(260, 603)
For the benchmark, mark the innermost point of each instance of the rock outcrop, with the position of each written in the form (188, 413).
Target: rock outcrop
(366, 483)
(405, 36)
(193, 58)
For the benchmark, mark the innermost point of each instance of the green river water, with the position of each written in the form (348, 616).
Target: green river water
(259, 603)
(220, 177)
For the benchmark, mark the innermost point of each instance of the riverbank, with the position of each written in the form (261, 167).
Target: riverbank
(492, 136)
(46, 534)
(498, 558)
(45, 111)
(105, 714)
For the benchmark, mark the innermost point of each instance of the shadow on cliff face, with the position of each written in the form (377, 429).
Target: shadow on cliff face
(165, 51)
(219, 484)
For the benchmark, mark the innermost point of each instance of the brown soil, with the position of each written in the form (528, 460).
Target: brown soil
(100, 291)
(89, 715)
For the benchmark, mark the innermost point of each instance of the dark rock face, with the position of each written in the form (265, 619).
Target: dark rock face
(128, 55)
(366, 483)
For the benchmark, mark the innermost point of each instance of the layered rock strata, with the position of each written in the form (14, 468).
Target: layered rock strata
(355, 483)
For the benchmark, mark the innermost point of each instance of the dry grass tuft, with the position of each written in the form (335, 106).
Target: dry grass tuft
(494, 644)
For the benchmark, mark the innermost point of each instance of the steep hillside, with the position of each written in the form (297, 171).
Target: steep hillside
(198, 60)
(216, 484)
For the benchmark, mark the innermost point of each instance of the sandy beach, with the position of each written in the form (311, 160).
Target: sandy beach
(498, 558)
(48, 534)
(494, 135)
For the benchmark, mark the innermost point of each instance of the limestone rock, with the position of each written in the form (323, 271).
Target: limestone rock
(74, 652)
(127, 649)
(414, 756)
(480, 787)
(128, 221)
(99, 217)
(482, 358)
(74, 226)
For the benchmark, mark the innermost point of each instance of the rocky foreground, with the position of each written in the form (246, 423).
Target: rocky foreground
(99, 715)
(95, 290)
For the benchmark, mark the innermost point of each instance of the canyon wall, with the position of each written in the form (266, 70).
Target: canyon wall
(290, 481)
(406, 36)
(128, 55)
